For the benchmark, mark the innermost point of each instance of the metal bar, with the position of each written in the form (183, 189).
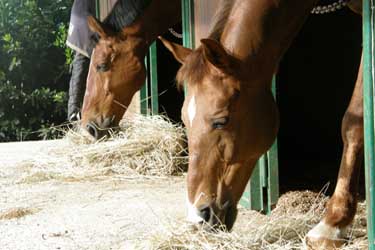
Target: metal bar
(273, 168)
(263, 170)
(97, 9)
(273, 177)
(187, 26)
(188, 23)
(154, 79)
(144, 92)
(256, 189)
(252, 197)
(368, 103)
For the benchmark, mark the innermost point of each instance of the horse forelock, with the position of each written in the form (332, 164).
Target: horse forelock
(194, 70)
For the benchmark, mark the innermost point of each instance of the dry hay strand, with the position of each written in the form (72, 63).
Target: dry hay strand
(284, 229)
(15, 213)
(144, 145)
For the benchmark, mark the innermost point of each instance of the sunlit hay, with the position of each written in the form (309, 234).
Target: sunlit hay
(150, 145)
(15, 213)
(78, 136)
(144, 145)
(284, 229)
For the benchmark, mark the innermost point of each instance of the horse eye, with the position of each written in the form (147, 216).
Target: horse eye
(103, 67)
(220, 123)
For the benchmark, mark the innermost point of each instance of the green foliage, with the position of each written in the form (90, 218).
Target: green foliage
(24, 116)
(32, 36)
(34, 66)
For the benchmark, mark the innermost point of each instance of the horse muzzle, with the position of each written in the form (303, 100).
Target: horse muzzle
(215, 217)
(100, 130)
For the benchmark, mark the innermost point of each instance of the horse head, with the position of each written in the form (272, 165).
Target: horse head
(116, 73)
(231, 121)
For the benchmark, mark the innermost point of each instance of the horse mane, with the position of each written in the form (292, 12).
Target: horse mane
(124, 13)
(220, 19)
(195, 68)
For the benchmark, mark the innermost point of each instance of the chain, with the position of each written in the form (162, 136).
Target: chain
(330, 7)
(176, 34)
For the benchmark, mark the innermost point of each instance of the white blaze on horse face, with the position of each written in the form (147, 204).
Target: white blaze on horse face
(193, 212)
(192, 110)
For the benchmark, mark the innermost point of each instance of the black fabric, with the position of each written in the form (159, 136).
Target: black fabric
(77, 84)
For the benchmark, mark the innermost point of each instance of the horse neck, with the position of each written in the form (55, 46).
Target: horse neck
(259, 32)
(156, 19)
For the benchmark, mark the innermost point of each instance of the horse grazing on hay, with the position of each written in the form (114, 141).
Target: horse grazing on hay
(117, 69)
(232, 118)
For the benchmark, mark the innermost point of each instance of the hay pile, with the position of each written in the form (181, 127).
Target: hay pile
(144, 146)
(284, 229)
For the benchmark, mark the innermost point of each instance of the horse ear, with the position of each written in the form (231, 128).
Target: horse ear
(215, 53)
(96, 26)
(179, 52)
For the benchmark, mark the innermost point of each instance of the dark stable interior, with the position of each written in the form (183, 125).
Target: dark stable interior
(314, 84)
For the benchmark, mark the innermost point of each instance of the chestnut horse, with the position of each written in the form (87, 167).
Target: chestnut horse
(117, 69)
(232, 118)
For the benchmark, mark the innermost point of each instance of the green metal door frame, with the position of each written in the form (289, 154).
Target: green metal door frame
(97, 9)
(368, 104)
(153, 58)
(188, 37)
(149, 91)
(188, 33)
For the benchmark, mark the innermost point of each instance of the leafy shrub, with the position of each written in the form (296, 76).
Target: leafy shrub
(26, 116)
(34, 67)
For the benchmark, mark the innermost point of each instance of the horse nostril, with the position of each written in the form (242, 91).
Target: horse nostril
(205, 213)
(91, 128)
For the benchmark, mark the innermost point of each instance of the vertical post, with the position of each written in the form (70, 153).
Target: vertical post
(144, 92)
(97, 9)
(256, 187)
(368, 103)
(273, 168)
(188, 23)
(187, 26)
(252, 197)
(154, 79)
